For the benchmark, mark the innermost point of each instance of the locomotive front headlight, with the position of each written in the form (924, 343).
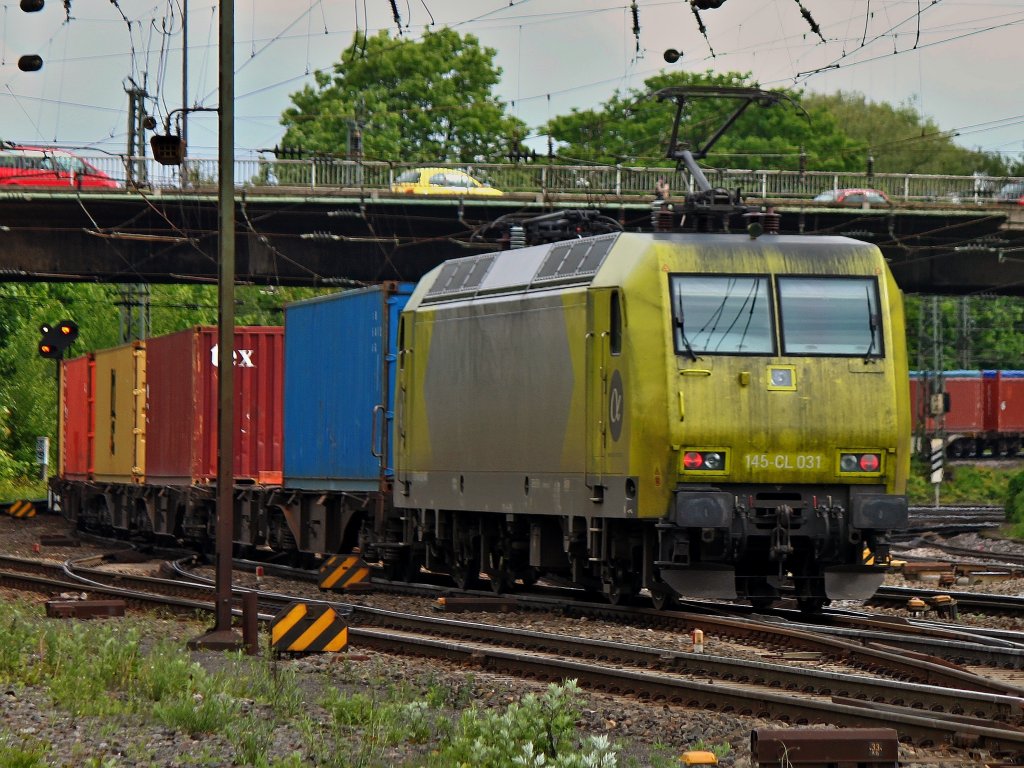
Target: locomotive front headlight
(713, 461)
(848, 462)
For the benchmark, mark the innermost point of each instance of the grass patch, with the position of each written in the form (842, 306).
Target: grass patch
(131, 679)
(961, 484)
(24, 753)
(21, 488)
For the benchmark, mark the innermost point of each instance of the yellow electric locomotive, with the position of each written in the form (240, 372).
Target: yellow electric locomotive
(692, 414)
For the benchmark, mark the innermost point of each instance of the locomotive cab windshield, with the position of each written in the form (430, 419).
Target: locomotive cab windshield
(733, 315)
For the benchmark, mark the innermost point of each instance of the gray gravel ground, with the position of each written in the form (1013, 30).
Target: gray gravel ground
(646, 731)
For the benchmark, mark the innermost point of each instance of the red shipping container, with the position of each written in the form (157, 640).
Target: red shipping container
(966, 402)
(77, 417)
(1004, 402)
(181, 433)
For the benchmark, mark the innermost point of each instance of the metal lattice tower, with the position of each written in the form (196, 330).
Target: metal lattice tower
(134, 322)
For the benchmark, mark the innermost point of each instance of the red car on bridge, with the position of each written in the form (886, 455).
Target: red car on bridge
(22, 166)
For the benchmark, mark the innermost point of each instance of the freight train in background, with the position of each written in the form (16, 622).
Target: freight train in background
(687, 413)
(977, 414)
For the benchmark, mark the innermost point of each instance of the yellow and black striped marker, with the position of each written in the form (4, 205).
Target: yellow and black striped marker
(22, 509)
(342, 572)
(302, 628)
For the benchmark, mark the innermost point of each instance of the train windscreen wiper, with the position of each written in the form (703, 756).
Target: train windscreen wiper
(872, 324)
(682, 330)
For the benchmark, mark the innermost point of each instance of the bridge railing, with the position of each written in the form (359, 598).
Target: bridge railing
(328, 175)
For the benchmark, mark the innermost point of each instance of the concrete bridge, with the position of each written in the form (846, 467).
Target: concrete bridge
(324, 234)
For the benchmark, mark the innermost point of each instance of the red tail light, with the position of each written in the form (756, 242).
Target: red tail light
(692, 460)
(869, 462)
(860, 462)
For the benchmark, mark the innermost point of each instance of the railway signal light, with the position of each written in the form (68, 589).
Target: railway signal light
(31, 62)
(57, 338)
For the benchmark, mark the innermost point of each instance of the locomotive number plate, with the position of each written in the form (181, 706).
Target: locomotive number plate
(784, 461)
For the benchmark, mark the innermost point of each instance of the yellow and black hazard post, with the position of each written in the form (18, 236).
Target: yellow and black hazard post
(22, 509)
(867, 557)
(342, 572)
(304, 628)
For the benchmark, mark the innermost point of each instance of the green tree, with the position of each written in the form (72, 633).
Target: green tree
(430, 100)
(634, 128)
(899, 138)
(974, 333)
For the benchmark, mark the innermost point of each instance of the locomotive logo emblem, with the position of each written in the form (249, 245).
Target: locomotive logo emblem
(616, 405)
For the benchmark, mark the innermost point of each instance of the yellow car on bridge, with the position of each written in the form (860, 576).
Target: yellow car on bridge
(441, 181)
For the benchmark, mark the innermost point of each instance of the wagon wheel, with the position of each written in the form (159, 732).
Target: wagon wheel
(399, 566)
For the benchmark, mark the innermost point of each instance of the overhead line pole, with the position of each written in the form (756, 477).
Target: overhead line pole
(222, 636)
(184, 79)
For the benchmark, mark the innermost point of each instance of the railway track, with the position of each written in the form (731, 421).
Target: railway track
(950, 520)
(963, 708)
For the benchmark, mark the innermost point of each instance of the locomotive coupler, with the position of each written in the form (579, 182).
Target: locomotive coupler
(781, 546)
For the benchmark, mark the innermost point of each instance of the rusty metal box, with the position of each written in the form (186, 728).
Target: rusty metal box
(824, 747)
(181, 434)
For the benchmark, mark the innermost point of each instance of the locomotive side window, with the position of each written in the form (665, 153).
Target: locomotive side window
(723, 315)
(830, 316)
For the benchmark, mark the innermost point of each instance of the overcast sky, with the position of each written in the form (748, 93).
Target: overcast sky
(958, 62)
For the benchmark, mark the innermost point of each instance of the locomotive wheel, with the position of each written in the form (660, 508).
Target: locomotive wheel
(810, 604)
(810, 595)
(761, 602)
(466, 575)
(500, 577)
(662, 597)
(529, 577)
(761, 594)
(622, 587)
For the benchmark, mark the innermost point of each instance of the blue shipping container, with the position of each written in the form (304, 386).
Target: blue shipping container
(339, 374)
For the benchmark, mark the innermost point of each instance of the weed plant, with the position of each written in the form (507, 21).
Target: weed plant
(120, 671)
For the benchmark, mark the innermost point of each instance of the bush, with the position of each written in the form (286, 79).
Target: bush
(538, 731)
(1015, 498)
